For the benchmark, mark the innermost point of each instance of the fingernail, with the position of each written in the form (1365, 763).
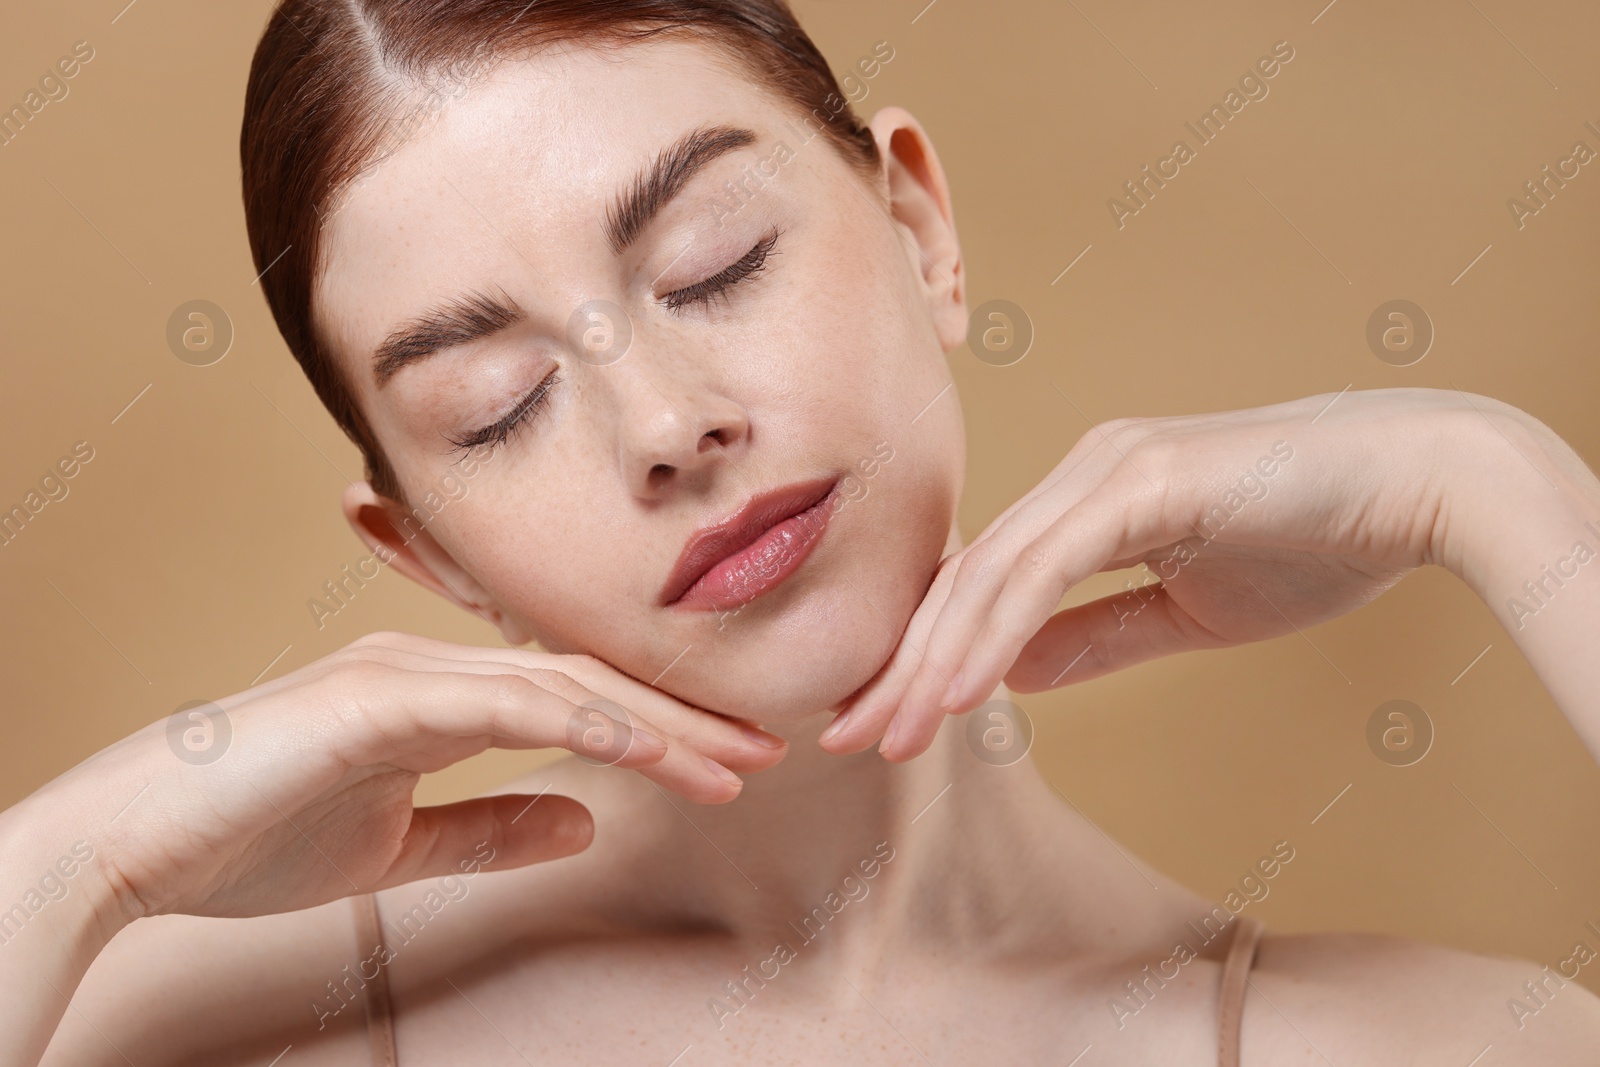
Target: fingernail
(762, 738)
(951, 691)
(836, 727)
(888, 737)
(648, 739)
(722, 772)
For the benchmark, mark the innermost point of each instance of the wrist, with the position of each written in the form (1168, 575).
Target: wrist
(51, 928)
(1520, 507)
(55, 896)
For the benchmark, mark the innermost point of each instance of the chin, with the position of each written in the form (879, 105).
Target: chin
(804, 649)
(806, 672)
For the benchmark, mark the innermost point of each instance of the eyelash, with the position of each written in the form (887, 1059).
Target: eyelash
(704, 292)
(497, 433)
(753, 263)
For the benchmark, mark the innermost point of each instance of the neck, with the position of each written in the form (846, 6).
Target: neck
(846, 857)
(815, 819)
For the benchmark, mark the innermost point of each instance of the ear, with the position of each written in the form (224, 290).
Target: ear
(919, 200)
(399, 539)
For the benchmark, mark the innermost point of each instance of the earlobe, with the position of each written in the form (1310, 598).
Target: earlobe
(403, 544)
(919, 200)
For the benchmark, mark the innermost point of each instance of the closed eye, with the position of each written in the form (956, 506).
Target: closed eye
(703, 292)
(752, 264)
(497, 432)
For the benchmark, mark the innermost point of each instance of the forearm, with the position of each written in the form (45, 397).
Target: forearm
(51, 927)
(1526, 538)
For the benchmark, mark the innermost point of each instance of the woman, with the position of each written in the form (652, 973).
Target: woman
(631, 288)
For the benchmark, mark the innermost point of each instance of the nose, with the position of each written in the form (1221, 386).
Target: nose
(673, 434)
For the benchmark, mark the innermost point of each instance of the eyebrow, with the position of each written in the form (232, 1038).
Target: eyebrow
(665, 178)
(446, 326)
(480, 315)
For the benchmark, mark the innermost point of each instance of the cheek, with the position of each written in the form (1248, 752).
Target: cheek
(872, 570)
(546, 552)
(864, 337)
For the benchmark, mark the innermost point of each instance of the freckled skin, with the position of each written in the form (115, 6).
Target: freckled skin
(806, 368)
(1005, 922)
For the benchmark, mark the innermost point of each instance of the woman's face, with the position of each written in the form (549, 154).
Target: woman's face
(821, 371)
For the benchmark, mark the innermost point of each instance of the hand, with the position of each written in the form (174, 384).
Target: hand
(311, 800)
(1254, 523)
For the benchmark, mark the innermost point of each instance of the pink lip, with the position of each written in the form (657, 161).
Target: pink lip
(753, 550)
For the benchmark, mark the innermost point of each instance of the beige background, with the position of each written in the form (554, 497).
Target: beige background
(1378, 167)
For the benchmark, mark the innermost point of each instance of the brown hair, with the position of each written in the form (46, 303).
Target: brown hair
(336, 84)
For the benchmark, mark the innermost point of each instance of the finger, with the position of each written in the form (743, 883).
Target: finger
(605, 732)
(597, 722)
(1096, 453)
(1012, 591)
(603, 726)
(1107, 635)
(1118, 517)
(980, 573)
(426, 719)
(862, 722)
(519, 830)
(975, 584)
(872, 708)
(737, 745)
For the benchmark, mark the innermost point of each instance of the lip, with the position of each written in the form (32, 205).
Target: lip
(752, 551)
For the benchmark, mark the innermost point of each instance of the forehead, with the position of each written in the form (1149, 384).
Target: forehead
(516, 169)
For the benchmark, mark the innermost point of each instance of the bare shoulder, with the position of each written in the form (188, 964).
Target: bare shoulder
(1355, 998)
(178, 990)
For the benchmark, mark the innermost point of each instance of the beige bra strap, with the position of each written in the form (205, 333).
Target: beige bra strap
(1241, 954)
(380, 1015)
